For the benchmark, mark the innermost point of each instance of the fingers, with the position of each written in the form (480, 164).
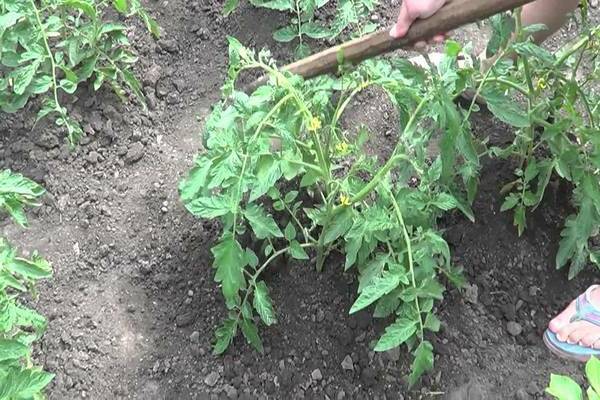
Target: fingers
(404, 21)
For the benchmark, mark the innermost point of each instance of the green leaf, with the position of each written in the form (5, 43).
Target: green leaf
(315, 31)
(297, 251)
(210, 207)
(505, 109)
(509, 202)
(422, 363)
(34, 269)
(250, 332)
(263, 225)
(230, 5)
(592, 371)
(268, 171)
(290, 231)
(192, 185)
(531, 50)
(285, 34)
(564, 388)
(592, 394)
(338, 227)
(12, 350)
(224, 335)
(352, 247)
(24, 383)
(229, 263)
(120, 6)
(23, 77)
(378, 287)
(445, 201)
(9, 19)
(279, 5)
(87, 7)
(262, 304)
(396, 334)
(432, 323)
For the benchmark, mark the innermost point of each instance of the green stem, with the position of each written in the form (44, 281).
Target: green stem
(321, 244)
(508, 83)
(238, 194)
(252, 282)
(389, 164)
(411, 265)
(50, 55)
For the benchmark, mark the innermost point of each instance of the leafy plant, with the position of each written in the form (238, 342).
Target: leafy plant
(49, 47)
(349, 13)
(281, 154)
(16, 192)
(557, 132)
(19, 326)
(564, 388)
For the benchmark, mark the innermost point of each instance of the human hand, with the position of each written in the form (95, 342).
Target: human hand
(412, 10)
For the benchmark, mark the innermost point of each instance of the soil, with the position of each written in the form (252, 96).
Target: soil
(132, 305)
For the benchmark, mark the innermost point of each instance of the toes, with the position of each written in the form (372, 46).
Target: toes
(562, 319)
(592, 338)
(581, 330)
(564, 334)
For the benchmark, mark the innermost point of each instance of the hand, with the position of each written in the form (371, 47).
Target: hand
(412, 10)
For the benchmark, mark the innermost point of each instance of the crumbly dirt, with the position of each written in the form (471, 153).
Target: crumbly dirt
(132, 305)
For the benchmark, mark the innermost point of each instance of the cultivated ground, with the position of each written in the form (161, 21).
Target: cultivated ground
(133, 305)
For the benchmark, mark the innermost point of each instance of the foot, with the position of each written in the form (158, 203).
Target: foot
(582, 333)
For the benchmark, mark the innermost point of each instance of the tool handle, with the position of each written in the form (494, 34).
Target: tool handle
(454, 14)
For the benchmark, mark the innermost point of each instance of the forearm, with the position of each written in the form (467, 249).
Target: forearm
(552, 13)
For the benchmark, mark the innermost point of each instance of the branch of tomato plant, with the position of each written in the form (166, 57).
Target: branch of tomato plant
(50, 55)
(585, 101)
(390, 162)
(411, 266)
(238, 195)
(254, 277)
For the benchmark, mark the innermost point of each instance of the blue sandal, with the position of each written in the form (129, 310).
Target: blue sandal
(585, 311)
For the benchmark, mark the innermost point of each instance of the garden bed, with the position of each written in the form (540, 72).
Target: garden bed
(133, 305)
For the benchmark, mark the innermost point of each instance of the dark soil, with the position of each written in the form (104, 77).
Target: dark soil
(132, 305)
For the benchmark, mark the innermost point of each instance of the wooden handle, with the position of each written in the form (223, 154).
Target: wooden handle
(454, 14)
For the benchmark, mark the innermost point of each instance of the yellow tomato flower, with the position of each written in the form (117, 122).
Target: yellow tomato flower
(341, 147)
(541, 84)
(345, 200)
(314, 124)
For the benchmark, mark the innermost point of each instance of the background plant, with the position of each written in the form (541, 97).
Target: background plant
(49, 47)
(564, 388)
(20, 326)
(380, 213)
(352, 14)
(556, 121)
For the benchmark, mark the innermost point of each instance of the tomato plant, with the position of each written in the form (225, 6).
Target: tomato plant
(52, 46)
(556, 132)
(282, 151)
(285, 176)
(19, 326)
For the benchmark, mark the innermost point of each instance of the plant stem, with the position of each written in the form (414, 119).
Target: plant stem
(389, 164)
(50, 55)
(411, 266)
(252, 281)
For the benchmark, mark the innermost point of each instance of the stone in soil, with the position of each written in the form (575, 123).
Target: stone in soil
(212, 379)
(316, 375)
(514, 328)
(347, 363)
(135, 153)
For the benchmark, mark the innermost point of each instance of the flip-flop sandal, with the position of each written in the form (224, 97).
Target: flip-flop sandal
(585, 310)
